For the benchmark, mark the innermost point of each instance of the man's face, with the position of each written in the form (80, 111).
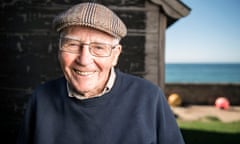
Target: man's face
(88, 74)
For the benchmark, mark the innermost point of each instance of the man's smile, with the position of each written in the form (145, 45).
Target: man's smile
(84, 73)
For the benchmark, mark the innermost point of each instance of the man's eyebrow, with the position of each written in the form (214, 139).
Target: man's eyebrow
(71, 37)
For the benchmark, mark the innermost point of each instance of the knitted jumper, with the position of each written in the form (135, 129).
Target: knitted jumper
(134, 112)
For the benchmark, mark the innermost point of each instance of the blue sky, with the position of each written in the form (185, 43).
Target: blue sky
(209, 34)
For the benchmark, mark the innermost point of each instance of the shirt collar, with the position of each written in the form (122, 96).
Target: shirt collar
(108, 87)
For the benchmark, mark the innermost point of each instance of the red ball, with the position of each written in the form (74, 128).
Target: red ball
(222, 103)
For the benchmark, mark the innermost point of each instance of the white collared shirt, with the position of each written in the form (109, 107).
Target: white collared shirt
(109, 85)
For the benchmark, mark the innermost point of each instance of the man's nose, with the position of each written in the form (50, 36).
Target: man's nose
(84, 57)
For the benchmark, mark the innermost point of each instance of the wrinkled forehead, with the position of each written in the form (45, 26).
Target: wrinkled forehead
(87, 33)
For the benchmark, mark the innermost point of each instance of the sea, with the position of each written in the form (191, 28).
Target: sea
(202, 73)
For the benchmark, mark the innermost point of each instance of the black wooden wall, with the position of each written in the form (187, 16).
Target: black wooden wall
(28, 50)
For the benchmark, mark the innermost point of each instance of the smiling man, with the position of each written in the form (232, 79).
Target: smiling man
(87, 57)
(94, 103)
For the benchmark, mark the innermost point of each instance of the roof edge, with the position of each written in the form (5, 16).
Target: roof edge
(173, 8)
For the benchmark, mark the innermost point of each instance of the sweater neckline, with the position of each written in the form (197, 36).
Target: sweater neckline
(98, 101)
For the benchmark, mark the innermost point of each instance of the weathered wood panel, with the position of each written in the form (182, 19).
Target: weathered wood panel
(29, 50)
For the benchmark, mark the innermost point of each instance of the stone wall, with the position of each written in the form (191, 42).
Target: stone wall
(204, 94)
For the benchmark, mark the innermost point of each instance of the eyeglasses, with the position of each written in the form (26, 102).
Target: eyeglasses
(75, 46)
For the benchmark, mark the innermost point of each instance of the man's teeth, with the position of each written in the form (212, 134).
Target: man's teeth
(83, 73)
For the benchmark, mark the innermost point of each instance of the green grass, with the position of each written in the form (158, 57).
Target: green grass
(211, 125)
(210, 131)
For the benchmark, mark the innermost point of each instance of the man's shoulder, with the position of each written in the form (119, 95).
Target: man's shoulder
(136, 80)
(52, 84)
(139, 88)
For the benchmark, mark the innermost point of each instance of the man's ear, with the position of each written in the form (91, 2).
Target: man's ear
(116, 53)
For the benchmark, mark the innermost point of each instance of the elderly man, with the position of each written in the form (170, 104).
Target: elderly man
(94, 103)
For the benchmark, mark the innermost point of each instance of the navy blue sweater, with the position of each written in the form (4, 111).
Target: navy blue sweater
(134, 112)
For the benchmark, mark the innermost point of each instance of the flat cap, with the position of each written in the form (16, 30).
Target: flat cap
(92, 15)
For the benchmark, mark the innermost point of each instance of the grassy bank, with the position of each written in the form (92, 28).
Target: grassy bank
(210, 131)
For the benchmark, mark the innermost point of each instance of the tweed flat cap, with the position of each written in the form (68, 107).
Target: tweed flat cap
(91, 15)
